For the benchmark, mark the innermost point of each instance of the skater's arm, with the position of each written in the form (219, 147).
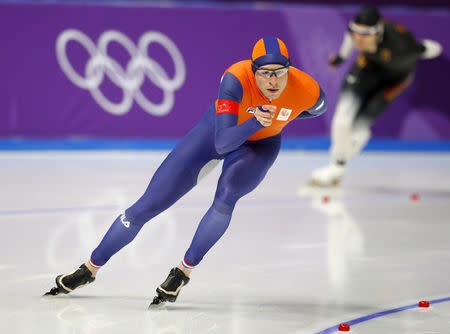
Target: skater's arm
(228, 134)
(344, 52)
(318, 109)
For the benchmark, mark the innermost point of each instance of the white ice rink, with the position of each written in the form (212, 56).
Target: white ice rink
(289, 263)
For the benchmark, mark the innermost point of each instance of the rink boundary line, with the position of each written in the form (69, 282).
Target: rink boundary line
(57, 210)
(378, 314)
(294, 203)
(288, 143)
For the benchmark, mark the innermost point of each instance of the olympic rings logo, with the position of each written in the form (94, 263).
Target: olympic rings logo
(131, 78)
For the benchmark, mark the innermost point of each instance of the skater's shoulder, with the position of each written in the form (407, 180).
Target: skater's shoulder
(391, 27)
(301, 76)
(241, 74)
(243, 67)
(299, 79)
(396, 36)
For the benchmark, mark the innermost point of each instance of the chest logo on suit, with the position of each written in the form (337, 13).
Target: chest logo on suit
(284, 114)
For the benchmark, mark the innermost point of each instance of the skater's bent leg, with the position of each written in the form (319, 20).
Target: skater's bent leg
(212, 226)
(175, 177)
(243, 170)
(360, 137)
(342, 125)
(178, 173)
(348, 105)
(121, 233)
(373, 109)
(361, 83)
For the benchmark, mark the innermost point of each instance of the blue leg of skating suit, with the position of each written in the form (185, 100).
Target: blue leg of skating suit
(243, 170)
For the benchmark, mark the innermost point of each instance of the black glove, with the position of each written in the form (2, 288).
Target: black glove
(336, 61)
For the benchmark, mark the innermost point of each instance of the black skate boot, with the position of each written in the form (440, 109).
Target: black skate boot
(169, 290)
(68, 282)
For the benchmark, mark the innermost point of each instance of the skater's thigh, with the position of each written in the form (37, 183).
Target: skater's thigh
(181, 168)
(246, 167)
(177, 174)
(371, 110)
(359, 87)
(362, 81)
(378, 103)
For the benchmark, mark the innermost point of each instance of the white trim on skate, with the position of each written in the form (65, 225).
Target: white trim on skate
(173, 293)
(61, 283)
(65, 287)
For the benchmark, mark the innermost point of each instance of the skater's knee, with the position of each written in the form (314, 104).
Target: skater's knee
(224, 204)
(343, 122)
(139, 214)
(230, 191)
(361, 132)
(345, 114)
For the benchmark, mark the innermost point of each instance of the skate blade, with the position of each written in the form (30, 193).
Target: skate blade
(333, 184)
(157, 303)
(52, 292)
(315, 190)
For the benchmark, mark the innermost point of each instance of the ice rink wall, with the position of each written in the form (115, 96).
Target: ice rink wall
(140, 71)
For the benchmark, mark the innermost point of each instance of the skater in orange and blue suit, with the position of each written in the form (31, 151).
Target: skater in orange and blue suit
(257, 98)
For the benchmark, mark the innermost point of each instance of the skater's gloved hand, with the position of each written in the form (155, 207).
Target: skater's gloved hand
(264, 114)
(430, 49)
(334, 61)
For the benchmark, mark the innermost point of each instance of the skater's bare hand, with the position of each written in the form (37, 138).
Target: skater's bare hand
(265, 117)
